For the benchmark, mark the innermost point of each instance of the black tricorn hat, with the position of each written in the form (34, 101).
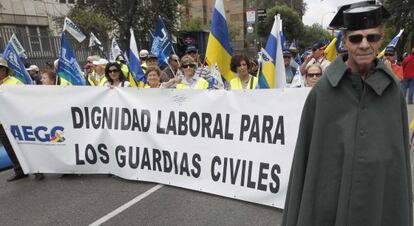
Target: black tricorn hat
(358, 16)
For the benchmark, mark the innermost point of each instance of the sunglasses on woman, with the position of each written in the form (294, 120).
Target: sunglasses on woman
(312, 75)
(113, 71)
(356, 39)
(188, 66)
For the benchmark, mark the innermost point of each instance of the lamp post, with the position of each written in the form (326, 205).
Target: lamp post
(324, 16)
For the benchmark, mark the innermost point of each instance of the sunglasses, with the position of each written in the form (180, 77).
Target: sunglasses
(314, 74)
(355, 39)
(389, 54)
(113, 71)
(188, 66)
(287, 57)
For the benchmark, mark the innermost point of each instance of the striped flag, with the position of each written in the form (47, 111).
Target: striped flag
(218, 47)
(272, 74)
(392, 43)
(134, 63)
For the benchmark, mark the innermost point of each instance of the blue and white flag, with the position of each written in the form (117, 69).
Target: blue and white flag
(93, 41)
(73, 30)
(16, 64)
(68, 67)
(18, 47)
(161, 43)
(134, 63)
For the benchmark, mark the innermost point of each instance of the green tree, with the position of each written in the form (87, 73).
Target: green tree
(140, 15)
(313, 33)
(292, 24)
(402, 12)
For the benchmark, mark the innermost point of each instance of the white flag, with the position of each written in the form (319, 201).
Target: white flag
(17, 46)
(93, 40)
(215, 73)
(73, 30)
(115, 51)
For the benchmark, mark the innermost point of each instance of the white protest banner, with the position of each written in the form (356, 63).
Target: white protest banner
(73, 30)
(234, 144)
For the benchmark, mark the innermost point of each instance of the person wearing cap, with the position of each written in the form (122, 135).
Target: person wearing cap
(172, 69)
(390, 59)
(289, 70)
(97, 77)
(143, 56)
(202, 70)
(408, 76)
(351, 164)
(189, 79)
(316, 57)
(33, 71)
(6, 78)
(152, 61)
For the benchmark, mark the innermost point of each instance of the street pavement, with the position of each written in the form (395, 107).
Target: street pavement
(95, 199)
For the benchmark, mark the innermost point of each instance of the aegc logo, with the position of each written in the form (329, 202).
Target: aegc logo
(39, 133)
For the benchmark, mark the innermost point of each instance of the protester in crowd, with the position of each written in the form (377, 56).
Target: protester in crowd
(294, 51)
(48, 66)
(202, 70)
(317, 56)
(152, 60)
(88, 68)
(114, 77)
(190, 80)
(289, 70)
(143, 56)
(97, 77)
(351, 164)
(408, 77)
(153, 75)
(390, 59)
(172, 69)
(312, 75)
(34, 73)
(6, 78)
(240, 65)
(48, 78)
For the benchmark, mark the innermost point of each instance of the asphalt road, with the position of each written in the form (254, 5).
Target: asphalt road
(108, 200)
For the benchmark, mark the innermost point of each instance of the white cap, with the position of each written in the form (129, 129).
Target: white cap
(143, 53)
(32, 67)
(101, 61)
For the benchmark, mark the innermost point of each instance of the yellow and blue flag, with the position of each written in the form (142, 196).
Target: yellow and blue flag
(16, 64)
(272, 72)
(218, 47)
(68, 69)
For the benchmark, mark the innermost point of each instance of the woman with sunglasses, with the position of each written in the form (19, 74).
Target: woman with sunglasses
(189, 80)
(114, 76)
(240, 65)
(312, 75)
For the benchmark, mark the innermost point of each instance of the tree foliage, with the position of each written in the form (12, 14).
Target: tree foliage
(140, 15)
(313, 33)
(402, 17)
(292, 24)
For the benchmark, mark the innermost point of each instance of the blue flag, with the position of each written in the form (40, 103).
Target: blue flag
(16, 64)
(161, 43)
(68, 67)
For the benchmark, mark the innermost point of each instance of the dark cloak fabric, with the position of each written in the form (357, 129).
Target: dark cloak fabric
(352, 163)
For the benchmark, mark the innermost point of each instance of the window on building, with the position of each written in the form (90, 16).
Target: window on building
(34, 38)
(45, 39)
(62, 1)
(71, 1)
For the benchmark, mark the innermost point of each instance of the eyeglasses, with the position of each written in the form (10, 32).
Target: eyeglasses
(287, 57)
(313, 75)
(314, 49)
(113, 71)
(356, 39)
(389, 54)
(188, 66)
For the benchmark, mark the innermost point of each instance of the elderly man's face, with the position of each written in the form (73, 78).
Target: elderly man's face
(363, 45)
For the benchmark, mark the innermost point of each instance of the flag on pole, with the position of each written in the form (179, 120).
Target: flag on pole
(68, 68)
(134, 63)
(115, 51)
(161, 43)
(73, 30)
(392, 43)
(218, 46)
(16, 64)
(18, 47)
(93, 41)
(272, 74)
(330, 50)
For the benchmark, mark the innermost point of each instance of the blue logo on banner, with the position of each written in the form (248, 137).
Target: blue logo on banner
(38, 134)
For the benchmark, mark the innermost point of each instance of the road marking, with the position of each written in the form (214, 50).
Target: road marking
(126, 206)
